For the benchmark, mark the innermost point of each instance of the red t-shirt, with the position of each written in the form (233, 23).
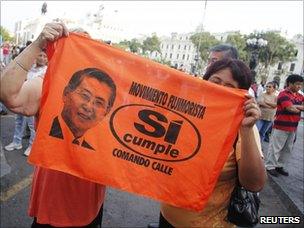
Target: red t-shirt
(5, 50)
(60, 199)
(285, 120)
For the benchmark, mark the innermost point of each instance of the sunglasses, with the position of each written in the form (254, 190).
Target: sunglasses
(269, 87)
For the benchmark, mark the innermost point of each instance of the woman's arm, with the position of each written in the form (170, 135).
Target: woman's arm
(20, 96)
(251, 169)
(271, 104)
(262, 103)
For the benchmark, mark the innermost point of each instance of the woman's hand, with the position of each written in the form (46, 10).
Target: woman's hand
(252, 112)
(51, 32)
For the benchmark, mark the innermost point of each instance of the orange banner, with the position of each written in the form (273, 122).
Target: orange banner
(124, 121)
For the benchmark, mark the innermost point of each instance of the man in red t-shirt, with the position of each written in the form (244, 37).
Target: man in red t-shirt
(288, 115)
(57, 199)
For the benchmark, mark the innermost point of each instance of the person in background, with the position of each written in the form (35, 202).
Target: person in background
(15, 51)
(260, 89)
(228, 51)
(268, 133)
(57, 199)
(3, 109)
(268, 103)
(6, 53)
(26, 45)
(253, 89)
(244, 162)
(288, 115)
(221, 51)
(21, 122)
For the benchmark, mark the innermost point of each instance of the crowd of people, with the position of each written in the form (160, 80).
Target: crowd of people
(61, 200)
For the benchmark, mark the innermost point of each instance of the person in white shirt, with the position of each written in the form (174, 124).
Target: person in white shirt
(21, 122)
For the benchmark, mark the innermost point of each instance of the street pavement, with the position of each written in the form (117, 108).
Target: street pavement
(281, 196)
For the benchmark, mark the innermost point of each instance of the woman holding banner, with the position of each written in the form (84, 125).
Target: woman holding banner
(244, 162)
(57, 199)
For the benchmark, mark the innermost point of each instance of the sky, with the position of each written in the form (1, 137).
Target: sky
(164, 17)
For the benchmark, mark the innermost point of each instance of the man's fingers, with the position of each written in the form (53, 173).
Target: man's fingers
(61, 26)
(251, 106)
(55, 33)
(65, 29)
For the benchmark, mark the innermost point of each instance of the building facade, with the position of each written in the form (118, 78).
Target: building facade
(281, 70)
(179, 50)
(101, 25)
(29, 29)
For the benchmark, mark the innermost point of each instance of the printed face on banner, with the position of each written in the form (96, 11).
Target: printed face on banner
(85, 106)
(87, 98)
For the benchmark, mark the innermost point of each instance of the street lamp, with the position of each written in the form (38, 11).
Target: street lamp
(195, 65)
(254, 44)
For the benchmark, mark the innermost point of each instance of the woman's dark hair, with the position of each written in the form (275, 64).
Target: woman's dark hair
(273, 83)
(239, 70)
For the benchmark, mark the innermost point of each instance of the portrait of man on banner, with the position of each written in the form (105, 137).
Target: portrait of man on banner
(87, 99)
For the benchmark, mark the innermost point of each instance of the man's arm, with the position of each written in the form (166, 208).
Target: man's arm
(294, 109)
(16, 92)
(287, 104)
(22, 96)
(300, 107)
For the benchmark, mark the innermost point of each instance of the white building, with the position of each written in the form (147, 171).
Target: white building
(179, 50)
(29, 29)
(102, 25)
(282, 70)
(222, 37)
(297, 66)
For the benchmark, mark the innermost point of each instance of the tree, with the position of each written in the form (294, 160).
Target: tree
(278, 49)
(163, 61)
(135, 45)
(204, 41)
(151, 44)
(5, 34)
(125, 45)
(239, 42)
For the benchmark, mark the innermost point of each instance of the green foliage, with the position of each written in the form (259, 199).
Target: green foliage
(204, 41)
(278, 49)
(129, 45)
(239, 42)
(151, 44)
(125, 45)
(5, 34)
(163, 61)
(135, 46)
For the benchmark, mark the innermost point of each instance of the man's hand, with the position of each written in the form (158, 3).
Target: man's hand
(294, 108)
(252, 112)
(51, 32)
